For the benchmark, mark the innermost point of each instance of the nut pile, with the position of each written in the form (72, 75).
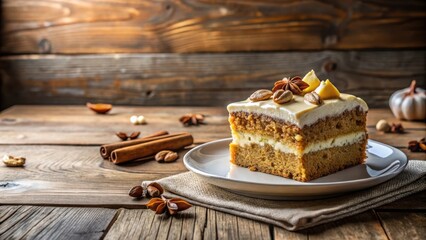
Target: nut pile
(384, 126)
(146, 190)
(310, 87)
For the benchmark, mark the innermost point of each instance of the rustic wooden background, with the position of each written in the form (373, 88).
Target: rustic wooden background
(204, 52)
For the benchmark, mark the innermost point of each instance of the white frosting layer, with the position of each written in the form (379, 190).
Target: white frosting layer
(298, 112)
(246, 138)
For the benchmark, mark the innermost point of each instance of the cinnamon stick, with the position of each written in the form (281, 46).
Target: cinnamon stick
(126, 154)
(108, 148)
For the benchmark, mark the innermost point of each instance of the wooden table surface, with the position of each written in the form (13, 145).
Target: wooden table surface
(67, 191)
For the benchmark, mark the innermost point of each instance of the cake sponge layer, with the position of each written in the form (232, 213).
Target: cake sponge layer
(298, 167)
(350, 121)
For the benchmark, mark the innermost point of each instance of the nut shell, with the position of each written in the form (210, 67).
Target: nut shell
(136, 191)
(282, 96)
(166, 156)
(383, 126)
(261, 95)
(171, 157)
(313, 98)
(11, 161)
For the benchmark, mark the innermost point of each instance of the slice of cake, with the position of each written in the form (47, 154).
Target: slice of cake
(303, 129)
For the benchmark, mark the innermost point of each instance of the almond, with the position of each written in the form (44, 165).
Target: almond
(136, 191)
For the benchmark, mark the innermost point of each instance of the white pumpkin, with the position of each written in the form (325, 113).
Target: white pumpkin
(409, 103)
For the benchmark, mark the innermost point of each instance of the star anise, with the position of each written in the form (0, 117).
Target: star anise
(171, 206)
(294, 84)
(146, 190)
(191, 119)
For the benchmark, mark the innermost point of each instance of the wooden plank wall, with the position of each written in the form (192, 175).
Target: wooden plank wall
(204, 52)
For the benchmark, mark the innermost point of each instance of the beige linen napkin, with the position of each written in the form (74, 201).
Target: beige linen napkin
(296, 215)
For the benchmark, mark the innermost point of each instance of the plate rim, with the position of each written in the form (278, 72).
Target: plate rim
(300, 184)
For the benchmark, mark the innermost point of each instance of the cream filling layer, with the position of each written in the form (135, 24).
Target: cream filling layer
(342, 140)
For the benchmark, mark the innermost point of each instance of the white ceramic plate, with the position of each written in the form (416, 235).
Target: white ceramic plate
(211, 162)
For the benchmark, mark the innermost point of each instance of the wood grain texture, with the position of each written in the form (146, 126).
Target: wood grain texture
(404, 225)
(77, 125)
(211, 230)
(93, 26)
(34, 222)
(249, 229)
(200, 79)
(282, 234)
(71, 174)
(193, 223)
(226, 226)
(131, 224)
(76, 174)
(361, 226)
